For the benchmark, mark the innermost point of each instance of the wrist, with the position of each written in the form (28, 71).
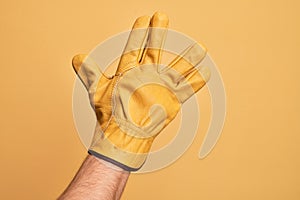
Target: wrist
(109, 165)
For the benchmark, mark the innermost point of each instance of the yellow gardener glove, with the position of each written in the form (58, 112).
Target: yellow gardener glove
(135, 105)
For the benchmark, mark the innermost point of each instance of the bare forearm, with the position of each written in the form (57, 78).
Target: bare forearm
(96, 179)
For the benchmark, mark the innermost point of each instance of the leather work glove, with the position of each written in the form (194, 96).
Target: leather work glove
(141, 99)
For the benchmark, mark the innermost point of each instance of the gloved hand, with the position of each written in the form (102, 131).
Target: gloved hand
(135, 105)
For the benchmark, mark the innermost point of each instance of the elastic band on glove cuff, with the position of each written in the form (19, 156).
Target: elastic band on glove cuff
(125, 167)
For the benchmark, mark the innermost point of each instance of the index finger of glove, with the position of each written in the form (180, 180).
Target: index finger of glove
(135, 44)
(157, 34)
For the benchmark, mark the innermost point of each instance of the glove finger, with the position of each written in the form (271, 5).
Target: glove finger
(135, 44)
(192, 82)
(87, 70)
(188, 59)
(185, 75)
(186, 86)
(157, 34)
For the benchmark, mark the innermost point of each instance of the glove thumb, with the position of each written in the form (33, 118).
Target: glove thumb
(87, 70)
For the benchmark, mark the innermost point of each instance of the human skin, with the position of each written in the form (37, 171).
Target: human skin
(96, 179)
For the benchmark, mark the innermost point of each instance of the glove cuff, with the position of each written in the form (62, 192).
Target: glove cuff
(117, 147)
(108, 159)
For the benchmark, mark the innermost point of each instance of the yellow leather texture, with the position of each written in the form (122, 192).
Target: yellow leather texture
(135, 105)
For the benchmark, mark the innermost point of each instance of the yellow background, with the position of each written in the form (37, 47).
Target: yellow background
(256, 46)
